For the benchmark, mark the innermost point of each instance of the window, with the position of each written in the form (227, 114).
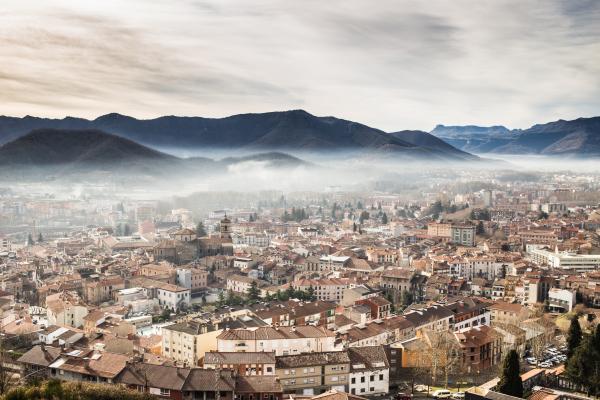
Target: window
(362, 379)
(165, 392)
(372, 378)
(380, 377)
(353, 380)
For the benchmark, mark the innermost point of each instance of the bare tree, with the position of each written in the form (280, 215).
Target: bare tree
(442, 354)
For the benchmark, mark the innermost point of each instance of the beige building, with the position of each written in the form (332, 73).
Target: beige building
(437, 229)
(100, 291)
(62, 311)
(324, 289)
(187, 342)
(508, 313)
(314, 373)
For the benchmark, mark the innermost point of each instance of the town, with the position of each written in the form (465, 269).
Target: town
(476, 290)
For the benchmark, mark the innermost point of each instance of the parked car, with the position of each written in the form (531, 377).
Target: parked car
(532, 361)
(421, 388)
(458, 395)
(545, 364)
(441, 394)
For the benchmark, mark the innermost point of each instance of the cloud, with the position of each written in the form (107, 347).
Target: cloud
(392, 65)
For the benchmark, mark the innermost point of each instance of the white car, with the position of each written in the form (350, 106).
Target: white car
(545, 364)
(441, 394)
(458, 395)
(421, 388)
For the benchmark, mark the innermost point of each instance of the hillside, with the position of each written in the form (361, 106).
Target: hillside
(294, 130)
(60, 146)
(427, 140)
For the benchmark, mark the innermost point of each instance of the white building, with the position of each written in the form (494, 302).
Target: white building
(369, 371)
(61, 311)
(565, 259)
(561, 300)
(281, 340)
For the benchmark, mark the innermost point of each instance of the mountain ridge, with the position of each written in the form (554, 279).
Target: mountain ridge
(291, 131)
(578, 137)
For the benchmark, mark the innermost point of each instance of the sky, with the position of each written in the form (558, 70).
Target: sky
(389, 64)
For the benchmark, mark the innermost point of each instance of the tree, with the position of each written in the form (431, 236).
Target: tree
(200, 231)
(29, 240)
(40, 238)
(5, 374)
(510, 380)
(363, 216)
(480, 230)
(254, 291)
(311, 293)
(583, 368)
(574, 337)
(166, 314)
(384, 219)
(406, 298)
(354, 227)
(221, 298)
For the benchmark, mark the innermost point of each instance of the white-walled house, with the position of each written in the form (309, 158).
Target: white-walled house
(369, 371)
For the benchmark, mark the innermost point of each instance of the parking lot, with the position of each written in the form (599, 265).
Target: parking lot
(552, 356)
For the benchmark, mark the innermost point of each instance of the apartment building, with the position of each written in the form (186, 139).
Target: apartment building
(463, 235)
(324, 289)
(314, 373)
(184, 341)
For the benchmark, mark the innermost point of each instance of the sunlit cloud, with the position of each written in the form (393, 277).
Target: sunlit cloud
(392, 65)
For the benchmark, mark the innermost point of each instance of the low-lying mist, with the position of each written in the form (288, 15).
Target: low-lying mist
(323, 172)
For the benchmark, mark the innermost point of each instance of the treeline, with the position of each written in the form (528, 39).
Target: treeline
(55, 390)
(254, 295)
(297, 214)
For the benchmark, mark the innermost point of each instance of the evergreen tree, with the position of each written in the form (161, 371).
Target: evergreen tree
(574, 337)
(354, 227)
(510, 380)
(363, 216)
(254, 291)
(384, 219)
(29, 240)
(406, 298)
(40, 238)
(583, 368)
(200, 231)
(311, 293)
(480, 230)
(290, 292)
